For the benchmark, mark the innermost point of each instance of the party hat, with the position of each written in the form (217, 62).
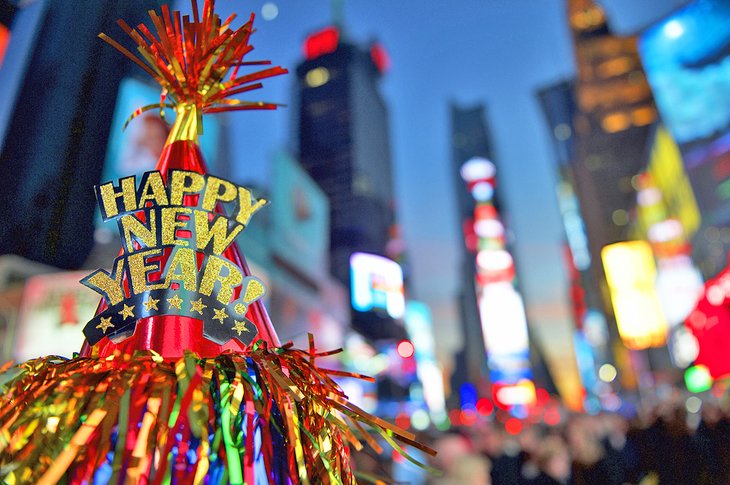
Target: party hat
(196, 62)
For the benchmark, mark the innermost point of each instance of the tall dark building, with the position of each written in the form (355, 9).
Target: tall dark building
(612, 124)
(57, 92)
(342, 135)
(469, 138)
(560, 110)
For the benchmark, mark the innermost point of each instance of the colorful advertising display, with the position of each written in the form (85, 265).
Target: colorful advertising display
(686, 59)
(53, 311)
(631, 273)
(668, 217)
(420, 330)
(299, 218)
(501, 310)
(377, 284)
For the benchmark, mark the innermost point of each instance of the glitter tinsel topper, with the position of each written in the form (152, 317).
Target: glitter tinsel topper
(197, 62)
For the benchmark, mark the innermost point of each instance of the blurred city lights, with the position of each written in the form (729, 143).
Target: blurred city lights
(607, 373)
(489, 228)
(269, 11)
(518, 394)
(322, 42)
(631, 273)
(494, 260)
(485, 406)
(468, 396)
(319, 76)
(611, 402)
(402, 420)
(552, 416)
(504, 323)
(693, 404)
(468, 417)
(455, 417)
(419, 327)
(477, 168)
(562, 132)
(482, 191)
(684, 347)
(442, 422)
(513, 426)
(405, 349)
(620, 217)
(698, 379)
(673, 29)
(420, 419)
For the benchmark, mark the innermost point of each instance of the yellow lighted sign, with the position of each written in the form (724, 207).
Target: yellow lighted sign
(667, 170)
(630, 272)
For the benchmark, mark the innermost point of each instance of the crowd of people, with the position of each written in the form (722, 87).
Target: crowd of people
(666, 446)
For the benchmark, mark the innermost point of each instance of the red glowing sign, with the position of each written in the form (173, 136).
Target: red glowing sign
(4, 41)
(380, 57)
(322, 42)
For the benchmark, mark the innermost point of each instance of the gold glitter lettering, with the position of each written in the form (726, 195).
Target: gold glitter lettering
(153, 190)
(247, 205)
(218, 232)
(144, 234)
(109, 195)
(254, 290)
(213, 193)
(184, 258)
(170, 224)
(108, 286)
(184, 182)
(139, 269)
(213, 274)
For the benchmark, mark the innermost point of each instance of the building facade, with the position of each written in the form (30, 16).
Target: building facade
(342, 135)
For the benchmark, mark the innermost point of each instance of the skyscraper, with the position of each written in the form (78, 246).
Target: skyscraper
(612, 124)
(57, 86)
(468, 139)
(342, 134)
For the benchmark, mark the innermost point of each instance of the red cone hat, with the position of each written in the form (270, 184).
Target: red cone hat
(196, 63)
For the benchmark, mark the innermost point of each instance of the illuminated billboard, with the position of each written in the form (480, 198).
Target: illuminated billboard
(631, 273)
(686, 59)
(675, 197)
(377, 284)
(504, 327)
(299, 219)
(504, 323)
(420, 330)
(53, 311)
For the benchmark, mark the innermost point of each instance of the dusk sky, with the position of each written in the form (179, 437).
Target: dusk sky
(496, 52)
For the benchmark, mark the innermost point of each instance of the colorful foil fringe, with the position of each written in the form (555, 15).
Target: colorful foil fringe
(269, 416)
